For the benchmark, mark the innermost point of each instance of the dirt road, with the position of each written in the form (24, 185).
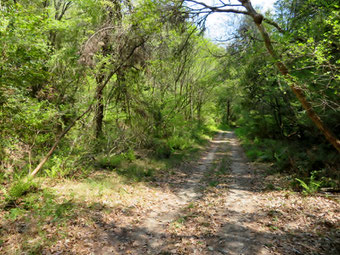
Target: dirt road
(219, 205)
(156, 233)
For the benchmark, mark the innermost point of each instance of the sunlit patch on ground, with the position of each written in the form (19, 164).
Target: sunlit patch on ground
(203, 206)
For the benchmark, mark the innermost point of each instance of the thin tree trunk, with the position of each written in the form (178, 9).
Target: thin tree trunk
(199, 110)
(99, 111)
(56, 143)
(99, 115)
(279, 116)
(228, 111)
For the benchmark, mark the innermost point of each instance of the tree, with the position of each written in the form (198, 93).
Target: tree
(281, 66)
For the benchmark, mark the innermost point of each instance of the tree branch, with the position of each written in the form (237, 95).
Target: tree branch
(217, 8)
(274, 24)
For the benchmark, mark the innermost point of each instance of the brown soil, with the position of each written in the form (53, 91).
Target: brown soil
(219, 204)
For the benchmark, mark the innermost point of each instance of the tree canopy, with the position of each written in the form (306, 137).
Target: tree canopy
(84, 79)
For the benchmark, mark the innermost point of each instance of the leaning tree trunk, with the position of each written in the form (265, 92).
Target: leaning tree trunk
(258, 18)
(56, 143)
(98, 91)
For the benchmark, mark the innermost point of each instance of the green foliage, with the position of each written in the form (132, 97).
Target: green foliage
(167, 93)
(115, 161)
(130, 155)
(161, 148)
(59, 167)
(19, 189)
(273, 126)
(291, 157)
(313, 184)
(135, 172)
(156, 90)
(111, 162)
(42, 204)
(53, 61)
(179, 143)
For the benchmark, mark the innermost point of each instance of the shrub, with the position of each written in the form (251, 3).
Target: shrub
(110, 162)
(161, 148)
(179, 143)
(313, 184)
(19, 189)
(135, 172)
(59, 166)
(130, 155)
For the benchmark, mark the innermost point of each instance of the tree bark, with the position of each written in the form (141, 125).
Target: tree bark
(99, 113)
(258, 18)
(56, 143)
(228, 111)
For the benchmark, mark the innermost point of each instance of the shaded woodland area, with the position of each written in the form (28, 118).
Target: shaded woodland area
(130, 89)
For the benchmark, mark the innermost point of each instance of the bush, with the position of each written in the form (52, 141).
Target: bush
(19, 189)
(110, 162)
(161, 148)
(135, 172)
(60, 166)
(312, 185)
(179, 143)
(130, 155)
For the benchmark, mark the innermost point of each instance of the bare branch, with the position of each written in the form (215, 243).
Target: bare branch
(273, 23)
(66, 6)
(220, 8)
(97, 32)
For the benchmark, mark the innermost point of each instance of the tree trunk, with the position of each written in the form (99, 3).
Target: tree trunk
(99, 115)
(228, 111)
(99, 111)
(56, 143)
(199, 113)
(258, 18)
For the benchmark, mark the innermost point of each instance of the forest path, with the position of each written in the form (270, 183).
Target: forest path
(207, 210)
(238, 235)
(216, 203)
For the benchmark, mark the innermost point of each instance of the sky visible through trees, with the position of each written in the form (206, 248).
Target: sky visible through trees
(111, 109)
(219, 25)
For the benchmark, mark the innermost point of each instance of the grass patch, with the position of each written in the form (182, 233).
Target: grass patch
(136, 173)
(20, 188)
(32, 217)
(43, 214)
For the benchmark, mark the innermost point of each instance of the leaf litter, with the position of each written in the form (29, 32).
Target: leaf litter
(218, 204)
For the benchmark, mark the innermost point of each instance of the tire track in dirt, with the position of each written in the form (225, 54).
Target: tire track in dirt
(188, 191)
(149, 236)
(234, 236)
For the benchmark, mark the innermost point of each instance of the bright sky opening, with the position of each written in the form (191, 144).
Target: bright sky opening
(220, 24)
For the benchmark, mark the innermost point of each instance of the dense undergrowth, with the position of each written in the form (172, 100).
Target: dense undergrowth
(310, 168)
(166, 151)
(120, 92)
(40, 210)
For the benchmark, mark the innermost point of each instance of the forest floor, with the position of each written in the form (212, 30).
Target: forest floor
(215, 203)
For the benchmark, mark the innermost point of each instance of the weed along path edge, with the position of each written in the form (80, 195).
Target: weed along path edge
(217, 203)
(168, 227)
(184, 186)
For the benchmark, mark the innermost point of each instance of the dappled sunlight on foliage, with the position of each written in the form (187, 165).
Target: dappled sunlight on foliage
(120, 120)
